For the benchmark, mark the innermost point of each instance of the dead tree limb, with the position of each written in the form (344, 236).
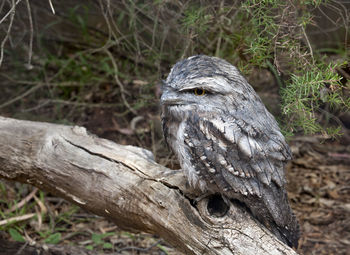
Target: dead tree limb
(125, 185)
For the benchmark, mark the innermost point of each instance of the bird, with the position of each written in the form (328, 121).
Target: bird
(227, 142)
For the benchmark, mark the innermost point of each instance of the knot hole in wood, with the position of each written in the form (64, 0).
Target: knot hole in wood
(217, 206)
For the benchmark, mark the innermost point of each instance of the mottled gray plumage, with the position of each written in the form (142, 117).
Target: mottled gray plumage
(226, 140)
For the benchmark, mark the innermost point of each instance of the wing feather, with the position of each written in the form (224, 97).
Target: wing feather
(251, 152)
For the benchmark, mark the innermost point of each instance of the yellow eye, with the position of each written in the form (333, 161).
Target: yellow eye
(199, 92)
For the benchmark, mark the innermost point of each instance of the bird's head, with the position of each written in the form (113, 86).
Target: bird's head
(202, 84)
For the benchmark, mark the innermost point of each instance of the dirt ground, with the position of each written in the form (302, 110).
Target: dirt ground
(319, 188)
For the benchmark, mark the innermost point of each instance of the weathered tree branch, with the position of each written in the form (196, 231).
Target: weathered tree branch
(125, 185)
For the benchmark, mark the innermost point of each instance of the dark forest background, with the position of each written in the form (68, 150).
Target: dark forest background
(99, 64)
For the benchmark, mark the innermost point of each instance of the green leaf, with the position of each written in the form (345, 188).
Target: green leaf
(16, 235)
(97, 238)
(89, 247)
(162, 248)
(53, 238)
(107, 246)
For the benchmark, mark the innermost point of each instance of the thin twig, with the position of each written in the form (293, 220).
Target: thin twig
(19, 252)
(122, 90)
(346, 20)
(41, 205)
(17, 218)
(308, 44)
(10, 11)
(12, 16)
(29, 91)
(104, 14)
(30, 51)
(39, 220)
(51, 6)
(51, 84)
(23, 201)
(2, 4)
(59, 101)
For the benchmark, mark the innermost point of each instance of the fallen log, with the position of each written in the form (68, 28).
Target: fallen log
(125, 185)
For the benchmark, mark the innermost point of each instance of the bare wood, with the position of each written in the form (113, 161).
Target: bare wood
(125, 185)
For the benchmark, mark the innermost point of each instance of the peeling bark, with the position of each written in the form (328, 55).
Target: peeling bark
(125, 185)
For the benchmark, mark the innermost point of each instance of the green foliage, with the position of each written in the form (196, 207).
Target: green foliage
(99, 241)
(312, 82)
(54, 238)
(161, 247)
(305, 94)
(196, 20)
(16, 236)
(79, 15)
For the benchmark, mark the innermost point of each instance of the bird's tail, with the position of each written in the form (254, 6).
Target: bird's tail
(284, 222)
(274, 212)
(290, 233)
